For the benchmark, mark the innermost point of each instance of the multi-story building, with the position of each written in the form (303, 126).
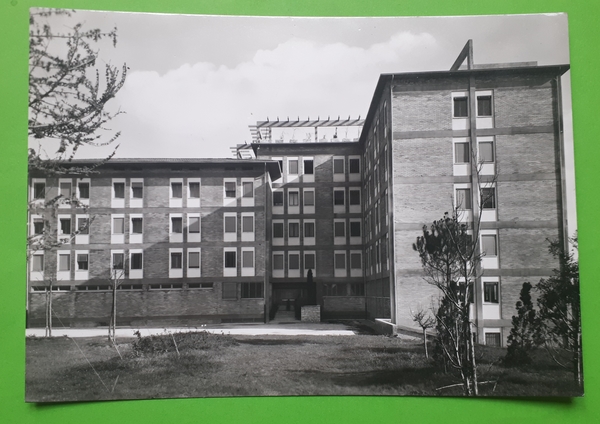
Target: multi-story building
(484, 139)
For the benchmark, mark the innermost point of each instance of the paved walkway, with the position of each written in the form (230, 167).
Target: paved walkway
(251, 329)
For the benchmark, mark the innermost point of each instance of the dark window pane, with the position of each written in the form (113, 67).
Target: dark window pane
(293, 167)
(355, 229)
(65, 190)
(119, 190)
(488, 245)
(136, 225)
(461, 107)
(230, 222)
(65, 225)
(194, 224)
(492, 339)
(340, 261)
(229, 290)
(293, 198)
(176, 190)
(194, 260)
(463, 198)
(355, 260)
(461, 153)
(338, 166)
(84, 190)
(309, 261)
(294, 229)
(38, 226)
(39, 190)
(357, 289)
(82, 261)
(176, 225)
(309, 198)
(247, 259)
(277, 198)
(38, 263)
(484, 105)
(136, 261)
(137, 190)
(488, 198)
(490, 292)
(194, 190)
(309, 229)
(338, 197)
(83, 225)
(355, 197)
(486, 151)
(339, 229)
(176, 260)
(354, 165)
(277, 261)
(230, 260)
(247, 224)
(252, 290)
(308, 166)
(294, 260)
(277, 229)
(118, 260)
(248, 189)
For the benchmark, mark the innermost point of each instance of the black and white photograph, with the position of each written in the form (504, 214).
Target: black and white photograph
(229, 206)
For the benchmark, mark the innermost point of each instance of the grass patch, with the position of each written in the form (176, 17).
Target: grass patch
(207, 365)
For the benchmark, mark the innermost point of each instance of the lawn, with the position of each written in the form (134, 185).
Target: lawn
(203, 365)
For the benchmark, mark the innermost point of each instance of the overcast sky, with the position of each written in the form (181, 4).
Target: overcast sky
(195, 83)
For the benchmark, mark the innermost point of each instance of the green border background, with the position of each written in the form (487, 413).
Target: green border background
(585, 63)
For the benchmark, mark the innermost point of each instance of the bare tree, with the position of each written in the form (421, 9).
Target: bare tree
(425, 321)
(117, 275)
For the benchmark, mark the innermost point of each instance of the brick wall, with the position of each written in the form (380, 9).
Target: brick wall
(422, 111)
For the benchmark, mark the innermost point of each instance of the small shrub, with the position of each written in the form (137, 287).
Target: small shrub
(522, 335)
(157, 344)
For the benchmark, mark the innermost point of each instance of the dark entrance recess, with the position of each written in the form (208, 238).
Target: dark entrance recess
(287, 300)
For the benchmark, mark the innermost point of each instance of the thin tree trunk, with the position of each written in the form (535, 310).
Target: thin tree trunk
(425, 342)
(50, 310)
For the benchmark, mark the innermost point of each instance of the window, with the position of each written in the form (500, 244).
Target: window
(461, 107)
(230, 259)
(136, 225)
(355, 261)
(339, 229)
(338, 165)
(277, 198)
(83, 225)
(340, 261)
(309, 261)
(39, 191)
(252, 290)
(64, 262)
(176, 190)
(354, 166)
(118, 261)
(65, 226)
(38, 226)
(82, 261)
(37, 263)
(247, 224)
(248, 189)
(309, 198)
(193, 224)
(486, 151)
(229, 291)
(492, 339)
(309, 229)
(293, 167)
(294, 229)
(118, 225)
(137, 190)
(65, 190)
(334, 289)
(490, 292)
(277, 261)
(247, 259)
(488, 198)
(176, 260)
(230, 224)
(357, 289)
(354, 197)
(84, 190)
(194, 188)
(136, 260)
(355, 229)
(462, 153)
(308, 166)
(176, 224)
(194, 260)
(488, 245)
(230, 189)
(463, 198)
(119, 190)
(294, 261)
(484, 105)
(339, 197)
(278, 229)
(293, 198)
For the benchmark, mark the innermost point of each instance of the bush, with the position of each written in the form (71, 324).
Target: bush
(167, 342)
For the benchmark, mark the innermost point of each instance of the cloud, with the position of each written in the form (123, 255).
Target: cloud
(202, 109)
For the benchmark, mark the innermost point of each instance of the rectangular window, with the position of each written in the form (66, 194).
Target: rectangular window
(490, 292)
(338, 166)
(64, 262)
(248, 189)
(340, 261)
(354, 166)
(293, 198)
(37, 264)
(486, 151)
(357, 289)
(193, 224)
(492, 339)
(39, 191)
(277, 198)
(355, 229)
(247, 224)
(176, 224)
(194, 190)
(355, 197)
(65, 190)
(38, 226)
(65, 226)
(294, 261)
(461, 107)
(82, 261)
(247, 259)
(488, 245)
(119, 190)
(309, 229)
(463, 198)
(118, 225)
(83, 225)
(84, 190)
(229, 290)
(355, 261)
(176, 190)
(252, 290)
(334, 289)
(484, 105)
(277, 261)
(137, 225)
(462, 153)
(278, 229)
(194, 260)
(294, 229)
(176, 260)
(309, 198)
(230, 224)
(488, 198)
(118, 260)
(230, 190)
(339, 229)
(230, 259)
(309, 261)
(293, 167)
(137, 190)
(339, 197)
(308, 166)
(136, 261)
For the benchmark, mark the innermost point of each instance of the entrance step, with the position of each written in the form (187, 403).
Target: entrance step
(284, 316)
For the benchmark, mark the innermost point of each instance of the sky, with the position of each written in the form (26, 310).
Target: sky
(196, 82)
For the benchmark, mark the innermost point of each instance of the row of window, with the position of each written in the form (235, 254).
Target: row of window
(345, 264)
(341, 197)
(461, 106)
(293, 167)
(463, 198)
(485, 150)
(342, 229)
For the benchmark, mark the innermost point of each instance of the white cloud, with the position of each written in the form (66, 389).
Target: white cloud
(202, 109)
